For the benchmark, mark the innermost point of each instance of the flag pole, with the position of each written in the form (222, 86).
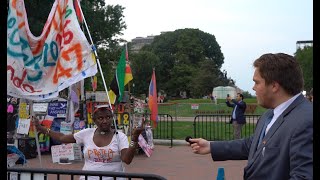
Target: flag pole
(102, 76)
(98, 62)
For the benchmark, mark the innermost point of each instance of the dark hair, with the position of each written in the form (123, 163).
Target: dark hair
(283, 69)
(241, 95)
(100, 110)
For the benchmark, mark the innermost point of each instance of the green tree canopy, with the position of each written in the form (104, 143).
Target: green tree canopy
(189, 60)
(141, 66)
(305, 58)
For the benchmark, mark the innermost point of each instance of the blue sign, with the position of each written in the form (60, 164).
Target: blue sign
(57, 109)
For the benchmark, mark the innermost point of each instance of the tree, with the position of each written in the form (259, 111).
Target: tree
(109, 59)
(246, 94)
(190, 60)
(205, 78)
(305, 58)
(104, 22)
(142, 64)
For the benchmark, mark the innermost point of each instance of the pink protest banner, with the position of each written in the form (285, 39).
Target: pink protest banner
(39, 67)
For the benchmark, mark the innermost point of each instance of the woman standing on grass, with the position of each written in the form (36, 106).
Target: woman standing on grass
(104, 148)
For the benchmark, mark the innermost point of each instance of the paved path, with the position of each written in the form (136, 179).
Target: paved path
(176, 163)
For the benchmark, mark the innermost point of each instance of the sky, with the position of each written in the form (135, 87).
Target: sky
(244, 29)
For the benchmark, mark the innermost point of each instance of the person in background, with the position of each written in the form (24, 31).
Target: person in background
(215, 99)
(161, 98)
(282, 144)
(104, 148)
(238, 118)
(211, 98)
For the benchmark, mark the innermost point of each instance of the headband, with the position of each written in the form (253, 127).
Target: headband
(106, 106)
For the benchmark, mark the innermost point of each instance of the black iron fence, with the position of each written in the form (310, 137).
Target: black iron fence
(215, 127)
(164, 129)
(37, 173)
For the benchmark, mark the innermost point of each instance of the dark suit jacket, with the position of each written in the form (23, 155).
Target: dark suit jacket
(287, 151)
(241, 108)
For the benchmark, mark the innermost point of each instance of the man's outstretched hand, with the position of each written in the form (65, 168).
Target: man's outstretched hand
(200, 146)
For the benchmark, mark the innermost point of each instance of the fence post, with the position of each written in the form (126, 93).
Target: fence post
(176, 104)
(220, 175)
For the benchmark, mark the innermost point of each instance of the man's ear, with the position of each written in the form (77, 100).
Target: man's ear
(275, 86)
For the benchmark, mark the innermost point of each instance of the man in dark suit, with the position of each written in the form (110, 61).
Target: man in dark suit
(282, 144)
(237, 117)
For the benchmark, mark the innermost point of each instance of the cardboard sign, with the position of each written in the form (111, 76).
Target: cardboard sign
(139, 106)
(23, 110)
(138, 120)
(12, 159)
(57, 109)
(65, 127)
(40, 107)
(23, 126)
(62, 151)
(78, 125)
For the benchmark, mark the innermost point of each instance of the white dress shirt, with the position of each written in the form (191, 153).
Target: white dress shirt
(279, 110)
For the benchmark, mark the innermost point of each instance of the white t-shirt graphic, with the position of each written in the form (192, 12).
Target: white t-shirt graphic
(106, 158)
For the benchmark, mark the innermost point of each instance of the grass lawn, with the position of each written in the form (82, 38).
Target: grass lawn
(192, 109)
(210, 130)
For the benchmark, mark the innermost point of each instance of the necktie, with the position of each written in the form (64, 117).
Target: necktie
(265, 127)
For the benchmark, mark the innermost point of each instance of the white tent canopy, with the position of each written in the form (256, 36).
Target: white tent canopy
(221, 92)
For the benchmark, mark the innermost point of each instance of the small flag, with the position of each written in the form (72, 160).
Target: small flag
(128, 76)
(112, 97)
(153, 105)
(122, 77)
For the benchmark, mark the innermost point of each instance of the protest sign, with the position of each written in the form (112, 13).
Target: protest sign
(62, 151)
(57, 109)
(23, 126)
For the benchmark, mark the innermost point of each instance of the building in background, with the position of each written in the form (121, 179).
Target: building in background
(138, 42)
(302, 44)
(221, 92)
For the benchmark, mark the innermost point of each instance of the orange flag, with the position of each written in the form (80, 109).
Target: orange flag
(153, 104)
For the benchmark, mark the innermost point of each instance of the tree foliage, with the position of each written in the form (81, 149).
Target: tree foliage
(108, 59)
(142, 64)
(189, 60)
(104, 22)
(246, 94)
(305, 58)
